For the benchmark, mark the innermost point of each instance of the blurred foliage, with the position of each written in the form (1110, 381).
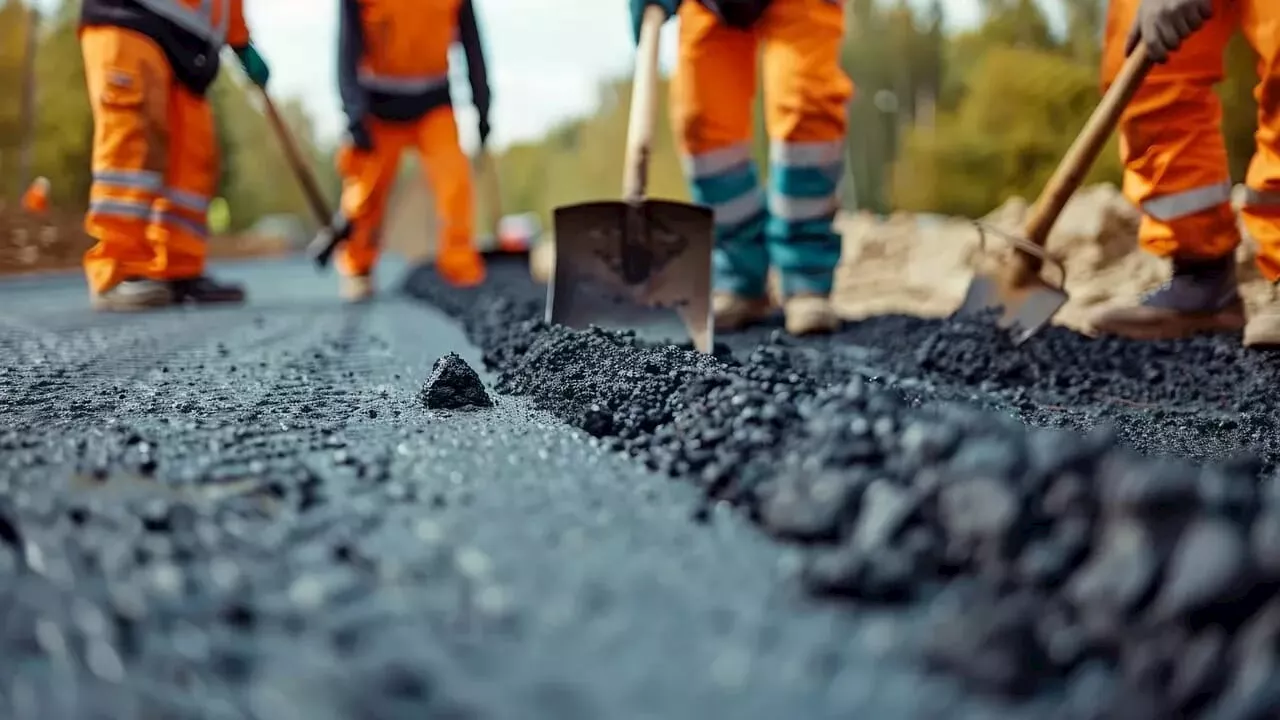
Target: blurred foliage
(942, 121)
(256, 180)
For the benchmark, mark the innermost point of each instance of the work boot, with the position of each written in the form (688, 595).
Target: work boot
(1200, 297)
(809, 314)
(1262, 331)
(133, 294)
(204, 290)
(734, 312)
(461, 268)
(355, 288)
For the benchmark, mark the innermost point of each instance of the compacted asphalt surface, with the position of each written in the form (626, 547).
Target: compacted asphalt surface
(250, 512)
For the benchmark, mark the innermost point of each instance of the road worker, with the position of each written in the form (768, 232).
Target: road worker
(148, 65)
(393, 77)
(789, 227)
(36, 199)
(1176, 165)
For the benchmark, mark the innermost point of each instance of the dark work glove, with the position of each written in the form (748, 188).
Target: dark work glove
(1162, 25)
(358, 136)
(637, 13)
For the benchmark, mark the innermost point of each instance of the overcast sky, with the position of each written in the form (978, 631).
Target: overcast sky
(545, 57)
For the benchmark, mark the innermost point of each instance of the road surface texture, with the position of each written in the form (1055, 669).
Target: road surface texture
(249, 513)
(1086, 520)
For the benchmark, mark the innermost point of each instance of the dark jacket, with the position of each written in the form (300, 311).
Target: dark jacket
(362, 96)
(194, 58)
(737, 13)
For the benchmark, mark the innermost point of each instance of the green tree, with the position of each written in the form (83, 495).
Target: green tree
(64, 135)
(984, 153)
(13, 46)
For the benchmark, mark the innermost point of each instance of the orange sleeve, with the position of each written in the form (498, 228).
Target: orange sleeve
(237, 30)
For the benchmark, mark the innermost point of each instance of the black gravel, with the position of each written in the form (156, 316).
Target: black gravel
(1042, 500)
(248, 513)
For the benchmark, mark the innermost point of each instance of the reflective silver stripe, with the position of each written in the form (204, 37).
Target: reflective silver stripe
(739, 209)
(797, 209)
(134, 179)
(121, 208)
(188, 200)
(716, 162)
(811, 154)
(1261, 198)
(1188, 202)
(402, 85)
(195, 20)
(200, 230)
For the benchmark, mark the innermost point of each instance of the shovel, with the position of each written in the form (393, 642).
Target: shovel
(629, 264)
(1023, 300)
(484, 170)
(301, 170)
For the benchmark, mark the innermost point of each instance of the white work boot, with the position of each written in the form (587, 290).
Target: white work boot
(734, 312)
(809, 314)
(133, 295)
(355, 288)
(1262, 331)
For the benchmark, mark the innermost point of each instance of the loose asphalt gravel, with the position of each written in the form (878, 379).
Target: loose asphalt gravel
(250, 513)
(262, 512)
(929, 463)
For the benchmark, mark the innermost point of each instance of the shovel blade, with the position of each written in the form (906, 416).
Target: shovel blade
(1023, 309)
(635, 266)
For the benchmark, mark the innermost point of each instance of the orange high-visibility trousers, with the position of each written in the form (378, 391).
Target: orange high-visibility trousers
(155, 163)
(806, 93)
(1171, 139)
(367, 181)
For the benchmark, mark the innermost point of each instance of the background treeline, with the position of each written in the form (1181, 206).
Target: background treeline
(255, 179)
(943, 121)
(950, 122)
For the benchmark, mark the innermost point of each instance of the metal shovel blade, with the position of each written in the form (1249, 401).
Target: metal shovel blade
(1022, 301)
(1022, 308)
(642, 266)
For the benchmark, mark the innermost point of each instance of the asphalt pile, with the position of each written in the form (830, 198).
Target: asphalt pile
(454, 385)
(1047, 554)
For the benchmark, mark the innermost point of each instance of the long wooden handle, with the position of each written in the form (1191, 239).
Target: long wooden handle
(486, 171)
(310, 188)
(644, 106)
(1086, 148)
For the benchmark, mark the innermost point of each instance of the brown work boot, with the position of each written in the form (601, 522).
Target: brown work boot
(1262, 331)
(204, 290)
(810, 314)
(355, 288)
(734, 312)
(461, 268)
(132, 295)
(1201, 297)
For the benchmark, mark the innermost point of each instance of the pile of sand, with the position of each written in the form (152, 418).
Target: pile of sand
(922, 264)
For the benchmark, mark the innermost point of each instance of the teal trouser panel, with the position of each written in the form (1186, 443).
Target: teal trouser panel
(726, 180)
(801, 240)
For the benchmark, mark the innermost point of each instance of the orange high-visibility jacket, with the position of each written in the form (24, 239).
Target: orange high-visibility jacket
(393, 57)
(191, 32)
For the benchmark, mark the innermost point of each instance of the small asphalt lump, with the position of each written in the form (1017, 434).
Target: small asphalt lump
(453, 385)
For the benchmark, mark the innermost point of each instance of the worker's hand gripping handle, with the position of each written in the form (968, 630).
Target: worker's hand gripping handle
(643, 106)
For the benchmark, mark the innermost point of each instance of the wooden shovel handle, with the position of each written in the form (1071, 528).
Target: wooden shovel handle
(1085, 150)
(644, 105)
(310, 188)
